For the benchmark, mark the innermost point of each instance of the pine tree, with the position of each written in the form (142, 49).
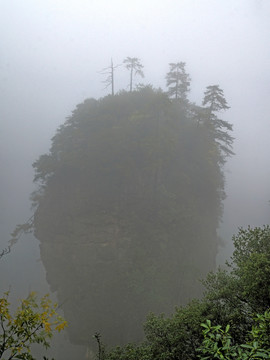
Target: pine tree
(214, 102)
(178, 81)
(214, 99)
(135, 67)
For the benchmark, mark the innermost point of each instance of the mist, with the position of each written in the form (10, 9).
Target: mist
(51, 57)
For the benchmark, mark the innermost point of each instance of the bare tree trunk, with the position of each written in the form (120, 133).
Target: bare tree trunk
(112, 76)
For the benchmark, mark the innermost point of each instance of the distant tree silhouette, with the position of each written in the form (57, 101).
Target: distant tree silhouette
(109, 81)
(178, 81)
(214, 102)
(214, 99)
(135, 67)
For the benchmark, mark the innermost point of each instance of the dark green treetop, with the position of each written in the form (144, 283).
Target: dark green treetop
(214, 99)
(215, 102)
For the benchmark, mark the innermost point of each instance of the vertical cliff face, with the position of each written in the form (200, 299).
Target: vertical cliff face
(129, 202)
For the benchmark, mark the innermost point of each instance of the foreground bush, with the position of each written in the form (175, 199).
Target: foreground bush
(231, 321)
(32, 323)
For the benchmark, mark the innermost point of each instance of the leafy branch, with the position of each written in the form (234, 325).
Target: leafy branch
(33, 323)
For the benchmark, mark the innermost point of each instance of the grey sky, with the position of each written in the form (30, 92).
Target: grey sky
(51, 52)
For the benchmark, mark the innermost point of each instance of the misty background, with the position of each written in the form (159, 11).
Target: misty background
(51, 55)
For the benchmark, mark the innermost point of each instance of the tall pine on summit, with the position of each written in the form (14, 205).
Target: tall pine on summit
(214, 99)
(215, 102)
(135, 67)
(178, 81)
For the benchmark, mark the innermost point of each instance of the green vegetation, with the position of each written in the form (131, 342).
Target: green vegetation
(219, 344)
(33, 323)
(127, 210)
(229, 322)
(128, 207)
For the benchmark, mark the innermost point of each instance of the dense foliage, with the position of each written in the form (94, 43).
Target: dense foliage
(129, 202)
(229, 322)
(219, 344)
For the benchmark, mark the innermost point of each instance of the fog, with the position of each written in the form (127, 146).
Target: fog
(51, 55)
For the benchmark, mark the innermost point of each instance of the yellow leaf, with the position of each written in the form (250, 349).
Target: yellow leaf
(61, 326)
